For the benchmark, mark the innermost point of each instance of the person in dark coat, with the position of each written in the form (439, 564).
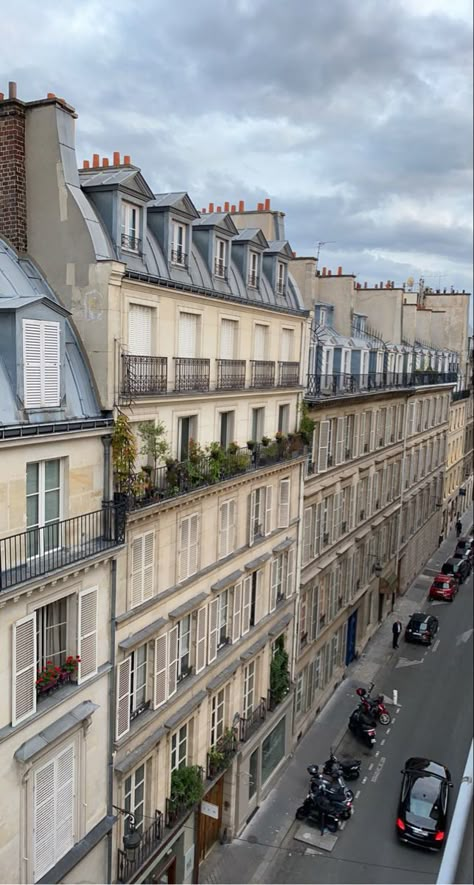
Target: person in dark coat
(396, 630)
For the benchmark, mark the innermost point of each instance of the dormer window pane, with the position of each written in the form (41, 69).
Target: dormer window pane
(129, 238)
(281, 278)
(220, 262)
(178, 244)
(253, 270)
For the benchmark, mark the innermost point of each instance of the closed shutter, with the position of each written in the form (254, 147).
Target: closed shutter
(372, 431)
(336, 531)
(139, 329)
(237, 612)
(87, 645)
(228, 339)
(161, 671)
(357, 440)
(44, 820)
(290, 568)
(268, 509)
(184, 548)
(274, 584)
(148, 564)
(24, 669)
(65, 799)
(32, 363)
(351, 507)
(260, 342)
(226, 528)
(339, 440)
(260, 605)
(388, 427)
(172, 661)
(201, 627)
(411, 418)
(307, 534)
(252, 499)
(375, 492)
(51, 362)
(137, 571)
(213, 630)
(318, 527)
(369, 496)
(323, 446)
(284, 504)
(286, 345)
(247, 598)
(123, 698)
(193, 544)
(188, 335)
(41, 357)
(142, 578)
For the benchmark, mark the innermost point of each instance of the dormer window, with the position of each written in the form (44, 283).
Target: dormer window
(130, 227)
(220, 259)
(253, 270)
(281, 278)
(41, 359)
(322, 316)
(178, 244)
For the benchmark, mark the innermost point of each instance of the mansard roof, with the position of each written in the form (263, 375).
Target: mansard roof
(279, 247)
(129, 178)
(219, 220)
(252, 235)
(180, 202)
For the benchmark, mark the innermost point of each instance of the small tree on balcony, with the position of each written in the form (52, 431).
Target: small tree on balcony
(124, 449)
(279, 673)
(186, 785)
(154, 442)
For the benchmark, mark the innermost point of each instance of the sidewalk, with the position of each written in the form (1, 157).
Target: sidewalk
(245, 859)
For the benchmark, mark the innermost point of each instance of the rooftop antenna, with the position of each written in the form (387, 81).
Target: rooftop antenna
(318, 250)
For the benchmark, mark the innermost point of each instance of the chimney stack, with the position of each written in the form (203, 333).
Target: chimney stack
(116, 158)
(95, 161)
(267, 205)
(86, 164)
(226, 207)
(241, 206)
(232, 208)
(13, 219)
(339, 271)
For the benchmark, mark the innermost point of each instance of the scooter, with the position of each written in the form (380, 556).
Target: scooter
(362, 726)
(333, 783)
(374, 706)
(341, 797)
(318, 810)
(348, 768)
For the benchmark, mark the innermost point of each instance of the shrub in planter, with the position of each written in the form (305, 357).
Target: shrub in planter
(279, 675)
(187, 787)
(251, 444)
(265, 440)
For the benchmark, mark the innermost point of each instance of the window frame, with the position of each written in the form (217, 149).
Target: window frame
(129, 230)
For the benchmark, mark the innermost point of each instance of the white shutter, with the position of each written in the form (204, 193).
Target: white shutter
(228, 339)
(351, 507)
(286, 342)
(65, 801)
(339, 440)
(187, 338)
(318, 527)
(223, 524)
(323, 446)
(259, 599)
(372, 431)
(44, 820)
(368, 496)
(142, 579)
(246, 605)
(183, 548)
(139, 329)
(375, 491)
(193, 544)
(24, 669)
(172, 660)
(274, 584)
(201, 627)
(137, 572)
(87, 646)
(213, 630)
(41, 357)
(237, 612)
(51, 363)
(32, 363)
(268, 509)
(252, 512)
(411, 418)
(357, 439)
(123, 698)
(388, 426)
(336, 517)
(189, 546)
(148, 564)
(307, 534)
(161, 671)
(284, 504)
(290, 572)
(260, 341)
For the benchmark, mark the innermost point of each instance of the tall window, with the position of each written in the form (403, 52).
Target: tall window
(261, 341)
(134, 798)
(253, 270)
(188, 546)
(178, 243)
(249, 689)
(129, 228)
(188, 334)
(258, 423)
(184, 647)
(283, 418)
(187, 430)
(139, 329)
(220, 263)
(43, 506)
(281, 278)
(228, 339)
(227, 527)
(138, 681)
(287, 345)
(226, 430)
(223, 619)
(41, 359)
(217, 716)
(179, 748)
(51, 634)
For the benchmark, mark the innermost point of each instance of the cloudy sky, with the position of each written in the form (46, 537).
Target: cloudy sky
(354, 116)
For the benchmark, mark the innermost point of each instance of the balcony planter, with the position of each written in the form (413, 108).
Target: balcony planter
(216, 759)
(279, 676)
(265, 441)
(186, 790)
(251, 444)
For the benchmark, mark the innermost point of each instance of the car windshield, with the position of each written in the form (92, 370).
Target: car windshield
(423, 799)
(441, 585)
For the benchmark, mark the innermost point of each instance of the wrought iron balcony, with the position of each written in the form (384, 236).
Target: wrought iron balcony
(144, 375)
(230, 374)
(179, 257)
(250, 724)
(253, 279)
(288, 374)
(322, 386)
(280, 288)
(219, 757)
(460, 394)
(151, 839)
(191, 374)
(130, 242)
(45, 549)
(220, 269)
(262, 373)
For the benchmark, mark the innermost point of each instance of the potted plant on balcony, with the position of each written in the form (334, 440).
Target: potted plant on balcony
(279, 675)
(216, 759)
(251, 444)
(124, 455)
(186, 790)
(69, 668)
(48, 678)
(265, 441)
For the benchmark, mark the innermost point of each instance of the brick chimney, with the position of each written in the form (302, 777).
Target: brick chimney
(13, 221)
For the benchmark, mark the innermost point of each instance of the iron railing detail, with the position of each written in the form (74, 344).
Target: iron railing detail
(253, 279)
(191, 374)
(220, 269)
(144, 375)
(340, 383)
(151, 839)
(230, 374)
(130, 242)
(250, 724)
(262, 373)
(288, 374)
(219, 757)
(179, 257)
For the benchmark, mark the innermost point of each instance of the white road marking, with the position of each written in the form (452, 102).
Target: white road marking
(398, 710)
(357, 794)
(435, 646)
(364, 780)
(382, 742)
(405, 662)
(378, 769)
(371, 766)
(377, 752)
(464, 637)
(388, 729)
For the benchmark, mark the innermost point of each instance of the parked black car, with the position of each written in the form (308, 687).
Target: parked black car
(421, 628)
(457, 568)
(423, 807)
(463, 549)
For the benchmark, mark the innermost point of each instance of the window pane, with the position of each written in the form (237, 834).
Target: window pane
(253, 773)
(31, 478)
(51, 506)
(32, 511)
(51, 474)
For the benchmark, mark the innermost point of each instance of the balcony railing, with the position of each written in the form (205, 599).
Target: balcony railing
(460, 394)
(179, 257)
(220, 269)
(219, 757)
(288, 374)
(151, 839)
(39, 551)
(340, 383)
(130, 242)
(182, 477)
(250, 724)
(191, 374)
(253, 279)
(144, 375)
(262, 373)
(230, 374)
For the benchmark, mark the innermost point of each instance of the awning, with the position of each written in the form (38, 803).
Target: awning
(389, 584)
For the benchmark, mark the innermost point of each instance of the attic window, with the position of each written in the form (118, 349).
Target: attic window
(281, 278)
(130, 228)
(253, 270)
(220, 262)
(178, 244)
(41, 359)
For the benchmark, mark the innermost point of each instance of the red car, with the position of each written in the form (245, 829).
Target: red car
(443, 587)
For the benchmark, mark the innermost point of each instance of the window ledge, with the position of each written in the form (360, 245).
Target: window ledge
(55, 730)
(78, 852)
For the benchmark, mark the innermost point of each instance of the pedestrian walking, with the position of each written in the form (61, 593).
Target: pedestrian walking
(396, 630)
(458, 527)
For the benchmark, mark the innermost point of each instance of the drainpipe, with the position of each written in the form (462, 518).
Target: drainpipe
(107, 444)
(111, 754)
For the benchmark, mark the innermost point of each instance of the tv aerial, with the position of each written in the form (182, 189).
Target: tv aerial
(318, 249)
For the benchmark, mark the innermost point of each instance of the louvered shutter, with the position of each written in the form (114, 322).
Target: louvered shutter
(317, 530)
(252, 512)
(161, 671)
(187, 336)
(44, 820)
(87, 645)
(139, 329)
(369, 496)
(231, 526)
(375, 491)
(193, 544)
(323, 445)
(201, 627)
(372, 431)
(330, 507)
(24, 669)
(274, 585)
(351, 507)
(172, 661)
(339, 440)
(260, 607)
(228, 339)
(358, 442)
(123, 698)
(247, 599)
(286, 342)
(213, 630)
(284, 504)
(336, 521)
(260, 341)
(307, 534)
(361, 434)
(268, 509)
(237, 612)
(65, 800)
(32, 360)
(411, 418)
(388, 427)
(137, 571)
(51, 363)
(148, 564)
(290, 567)
(223, 527)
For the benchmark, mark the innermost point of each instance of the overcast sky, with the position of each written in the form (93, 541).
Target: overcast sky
(353, 116)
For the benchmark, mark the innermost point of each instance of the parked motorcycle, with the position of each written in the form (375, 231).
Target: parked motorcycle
(340, 796)
(362, 726)
(314, 807)
(374, 706)
(348, 768)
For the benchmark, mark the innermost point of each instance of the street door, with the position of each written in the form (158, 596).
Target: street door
(209, 827)
(351, 637)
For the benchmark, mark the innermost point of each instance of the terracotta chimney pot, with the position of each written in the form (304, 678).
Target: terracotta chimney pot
(260, 207)
(218, 208)
(329, 273)
(339, 271)
(267, 205)
(50, 95)
(232, 208)
(126, 160)
(12, 89)
(324, 271)
(105, 161)
(211, 207)
(116, 158)
(95, 161)
(241, 206)
(86, 164)
(226, 207)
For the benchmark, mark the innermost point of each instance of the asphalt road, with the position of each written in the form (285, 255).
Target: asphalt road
(435, 719)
